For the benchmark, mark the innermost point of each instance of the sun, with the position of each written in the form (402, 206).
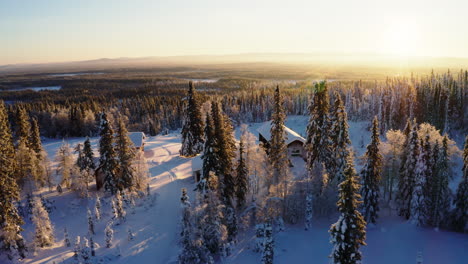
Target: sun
(400, 38)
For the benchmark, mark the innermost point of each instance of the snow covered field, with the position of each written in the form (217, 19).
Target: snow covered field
(156, 223)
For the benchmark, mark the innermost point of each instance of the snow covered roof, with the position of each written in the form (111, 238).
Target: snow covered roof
(197, 163)
(292, 136)
(137, 138)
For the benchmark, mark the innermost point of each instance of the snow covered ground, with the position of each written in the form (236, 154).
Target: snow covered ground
(156, 226)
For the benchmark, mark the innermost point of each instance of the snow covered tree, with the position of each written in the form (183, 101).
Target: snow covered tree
(27, 173)
(348, 233)
(209, 156)
(438, 191)
(418, 209)
(140, 168)
(125, 156)
(109, 235)
(241, 177)
(268, 251)
(97, 208)
(407, 174)
(340, 140)
(90, 223)
(92, 246)
(23, 127)
(85, 252)
(11, 240)
(278, 152)
(77, 249)
(66, 238)
(309, 211)
(318, 143)
(107, 160)
(214, 232)
(117, 207)
(188, 253)
(35, 138)
(371, 175)
(64, 157)
(44, 232)
(192, 127)
(460, 213)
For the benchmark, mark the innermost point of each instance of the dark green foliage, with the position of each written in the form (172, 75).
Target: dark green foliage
(107, 160)
(192, 127)
(23, 127)
(35, 138)
(348, 233)
(340, 139)
(125, 155)
(371, 175)
(10, 221)
(407, 174)
(209, 157)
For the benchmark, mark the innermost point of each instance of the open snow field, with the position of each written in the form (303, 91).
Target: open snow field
(155, 221)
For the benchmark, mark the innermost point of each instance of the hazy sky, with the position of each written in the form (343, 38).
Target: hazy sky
(61, 30)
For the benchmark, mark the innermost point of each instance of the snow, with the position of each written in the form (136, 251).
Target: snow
(265, 131)
(156, 228)
(137, 138)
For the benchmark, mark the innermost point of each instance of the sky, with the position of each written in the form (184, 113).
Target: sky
(34, 31)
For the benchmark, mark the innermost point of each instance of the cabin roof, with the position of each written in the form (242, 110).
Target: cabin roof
(292, 136)
(137, 138)
(197, 163)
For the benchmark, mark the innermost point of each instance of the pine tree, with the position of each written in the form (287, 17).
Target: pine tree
(348, 233)
(88, 157)
(125, 156)
(438, 191)
(340, 139)
(318, 143)
(268, 245)
(214, 232)
(209, 156)
(407, 174)
(35, 137)
(225, 152)
(241, 177)
(11, 240)
(192, 128)
(23, 126)
(66, 238)
(90, 223)
(109, 235)
(418, 209)
(460, 213)
(44, 232)
(371, 175)
(107, 159)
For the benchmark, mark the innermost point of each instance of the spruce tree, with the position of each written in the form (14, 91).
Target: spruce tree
(192, 128)
(23, 127)
(318, 143)
(278, 152)
(35, 138)
(125, 155)
(107, 160)
(348, 233)
(241, 177)
(309, 211)
(371, 175)
(209, 156)
(97, 209)
(418, 206)
(66, 238)
(438, 191)
(340, 139)
(44, 232)
(188, 253)
(88, 157)
(214, 232)
(407, 174)
(460, 213)
(11, 240)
